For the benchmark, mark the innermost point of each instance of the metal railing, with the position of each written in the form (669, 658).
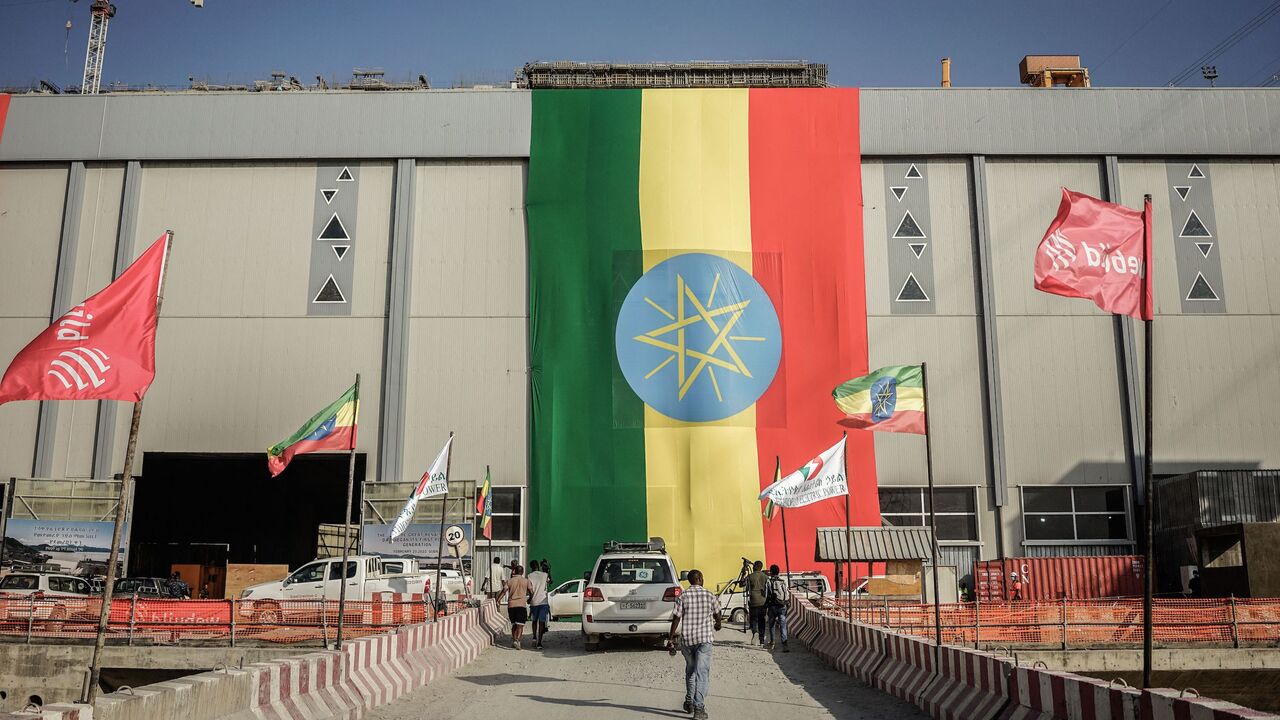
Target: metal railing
(143, 621)
(1067, 624)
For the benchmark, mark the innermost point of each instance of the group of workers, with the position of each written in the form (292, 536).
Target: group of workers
(526, 596)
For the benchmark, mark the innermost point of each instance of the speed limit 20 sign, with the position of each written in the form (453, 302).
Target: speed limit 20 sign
(454, 535)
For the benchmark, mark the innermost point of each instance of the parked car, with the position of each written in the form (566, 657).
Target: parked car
(38, 596)
(145, 587)
(631, 591)
(44, 585)
(566, 600)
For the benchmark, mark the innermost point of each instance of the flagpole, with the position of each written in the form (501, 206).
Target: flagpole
(126, 482)
(1148, 508)
(933, 520)
(488, 500)
(444, 507)
(848, 533)
(786, 551)
(346, 519)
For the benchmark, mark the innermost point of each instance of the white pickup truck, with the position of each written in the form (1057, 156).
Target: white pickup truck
(321, 579)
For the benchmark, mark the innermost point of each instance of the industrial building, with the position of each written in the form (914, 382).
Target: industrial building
(323, 233)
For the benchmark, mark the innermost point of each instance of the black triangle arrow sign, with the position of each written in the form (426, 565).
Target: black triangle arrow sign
(917, 248)
(912, 172)
(1194, 228)
(1200, 289)
(1195, 172)
(898, 191)
(908, 228)
(330, 292)
(328, 195)
(341, 251)
(345, 175)
(1182, 190)
(1205, 248)
(334, 230)
(911, 291)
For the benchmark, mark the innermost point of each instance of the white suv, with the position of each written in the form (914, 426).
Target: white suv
(631, 591)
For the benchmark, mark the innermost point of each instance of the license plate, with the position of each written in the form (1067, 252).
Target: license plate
(633, 605)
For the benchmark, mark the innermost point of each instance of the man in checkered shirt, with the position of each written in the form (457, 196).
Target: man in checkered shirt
(698, 614)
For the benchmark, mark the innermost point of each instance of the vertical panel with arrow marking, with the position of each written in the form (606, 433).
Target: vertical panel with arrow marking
(333, 240)
(908, 232)
(1195, 238)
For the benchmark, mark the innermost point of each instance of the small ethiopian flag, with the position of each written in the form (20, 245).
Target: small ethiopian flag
(890, 399)
(769, 507)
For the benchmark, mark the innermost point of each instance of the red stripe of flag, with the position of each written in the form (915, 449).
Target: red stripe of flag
(806, 197)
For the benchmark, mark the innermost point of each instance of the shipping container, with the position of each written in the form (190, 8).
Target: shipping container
(1053, 578)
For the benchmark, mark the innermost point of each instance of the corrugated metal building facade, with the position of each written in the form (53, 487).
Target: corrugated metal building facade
(1033, 396)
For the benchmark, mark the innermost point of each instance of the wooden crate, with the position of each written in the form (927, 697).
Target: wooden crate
(242, 575)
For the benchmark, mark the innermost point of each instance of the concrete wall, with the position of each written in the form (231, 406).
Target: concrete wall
(31, 203)
(56, 673)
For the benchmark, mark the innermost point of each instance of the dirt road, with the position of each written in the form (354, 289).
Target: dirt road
(626, 680)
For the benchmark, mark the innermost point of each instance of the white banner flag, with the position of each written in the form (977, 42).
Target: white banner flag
(434, 482)
(820, 478)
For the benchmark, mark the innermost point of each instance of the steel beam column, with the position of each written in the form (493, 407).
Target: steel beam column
(395, 349)
(64, 277)
(1127, 364)
(990, 346)
(104, 438)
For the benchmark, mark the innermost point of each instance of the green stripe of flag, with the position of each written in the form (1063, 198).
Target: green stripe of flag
(586, 474)
(906, 375)
(316, 421)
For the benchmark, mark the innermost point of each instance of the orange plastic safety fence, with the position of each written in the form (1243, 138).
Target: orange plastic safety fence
(1112, 622)
(153, 621)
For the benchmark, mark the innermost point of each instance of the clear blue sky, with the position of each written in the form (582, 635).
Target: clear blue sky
(866, 44)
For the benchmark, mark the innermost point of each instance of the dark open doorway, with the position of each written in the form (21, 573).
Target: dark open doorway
(187, 503)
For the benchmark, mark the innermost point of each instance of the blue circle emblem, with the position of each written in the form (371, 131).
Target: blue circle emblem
(884, 398)
(697, 338)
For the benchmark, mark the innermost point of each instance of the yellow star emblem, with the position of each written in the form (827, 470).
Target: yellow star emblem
(719, 353)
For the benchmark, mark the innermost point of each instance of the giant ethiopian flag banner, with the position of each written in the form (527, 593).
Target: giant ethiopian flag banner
(696, 290)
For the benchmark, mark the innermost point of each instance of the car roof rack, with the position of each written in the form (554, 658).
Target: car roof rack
(655, 545)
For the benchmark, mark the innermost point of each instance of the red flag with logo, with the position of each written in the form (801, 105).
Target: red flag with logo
(102, 349)
(1099, 251)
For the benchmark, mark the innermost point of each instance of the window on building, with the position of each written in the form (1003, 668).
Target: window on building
(506, 515)
(1075, 514)
(956, 514)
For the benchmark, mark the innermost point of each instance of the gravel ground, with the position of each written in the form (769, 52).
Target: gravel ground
(625, 680)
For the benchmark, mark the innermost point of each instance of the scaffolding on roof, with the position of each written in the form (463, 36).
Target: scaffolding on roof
(795, 73)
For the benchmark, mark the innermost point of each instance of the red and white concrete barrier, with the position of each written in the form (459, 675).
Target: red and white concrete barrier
(1049, 695)
(971, 685)
(863, 652)
(1169, 704)
(367, 672)
(908, 668)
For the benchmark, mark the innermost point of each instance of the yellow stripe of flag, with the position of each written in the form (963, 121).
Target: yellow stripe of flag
(695, 197)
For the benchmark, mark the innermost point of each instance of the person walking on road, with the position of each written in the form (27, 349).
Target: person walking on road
(697, 617)
(539, 603)
(497, 578)
(776, 598)
(517, 592)
(757, 586)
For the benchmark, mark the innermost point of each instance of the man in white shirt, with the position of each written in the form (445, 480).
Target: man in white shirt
(497, 577)
(539, 603)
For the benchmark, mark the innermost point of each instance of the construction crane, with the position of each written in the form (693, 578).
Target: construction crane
(100, 13)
